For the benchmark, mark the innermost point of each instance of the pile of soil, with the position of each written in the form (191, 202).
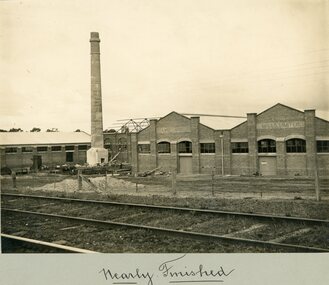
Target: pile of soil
(92, 184)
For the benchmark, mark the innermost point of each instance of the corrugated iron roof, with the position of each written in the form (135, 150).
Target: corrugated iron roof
(43, 138)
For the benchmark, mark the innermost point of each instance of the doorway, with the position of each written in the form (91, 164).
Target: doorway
(267, 165)
(185, 164)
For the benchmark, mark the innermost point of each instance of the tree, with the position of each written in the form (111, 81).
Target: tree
(15, 130)
(35, 130)
(52, 130)
(77, 130)
(110, 131)
(3, 131)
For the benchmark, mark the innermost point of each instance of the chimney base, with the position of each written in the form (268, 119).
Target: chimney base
(97, 156)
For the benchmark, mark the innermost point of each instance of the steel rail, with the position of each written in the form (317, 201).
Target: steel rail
(195, 210)
(179, 233)
(14, 241)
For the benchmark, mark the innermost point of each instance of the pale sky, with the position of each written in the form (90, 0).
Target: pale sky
(192, 56)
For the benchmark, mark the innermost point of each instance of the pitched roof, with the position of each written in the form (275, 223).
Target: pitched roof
(43, 138)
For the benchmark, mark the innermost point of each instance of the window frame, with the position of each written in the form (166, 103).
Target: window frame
(166, 147)
(144, 148)
(239, 147)
(11, 148)
(208, 148)
(41, 148)
(27, 149)
(297, 145)
(82, 147)
(69, 148)
(321, 148)
(55, 146)
(188, 147)
(268, 148)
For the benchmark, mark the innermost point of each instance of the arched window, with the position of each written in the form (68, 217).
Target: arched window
(295, 145)
(122, 144)
(185, 147)
(163, 147)
(266, 145)
(108, 144)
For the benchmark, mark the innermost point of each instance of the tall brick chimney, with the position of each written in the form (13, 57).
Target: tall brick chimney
(97, 153)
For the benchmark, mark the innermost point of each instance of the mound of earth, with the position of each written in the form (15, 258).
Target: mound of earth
(89, 185)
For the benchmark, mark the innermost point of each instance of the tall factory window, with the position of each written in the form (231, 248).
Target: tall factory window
(108, 144)
(322, 146)
(239, 147)
(207, 147)
(122, 144)
(69, 147)
(266, 145)
(163, 147)
(144, 148)
(42, 148)
(27, 149)
(295, 145)
(82, 147)
(56, 148)
(185, 147)
(11, 149)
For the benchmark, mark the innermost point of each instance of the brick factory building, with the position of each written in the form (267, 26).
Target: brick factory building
(55, 148)
(279, 141)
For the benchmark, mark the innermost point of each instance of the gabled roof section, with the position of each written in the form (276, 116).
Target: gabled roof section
(171, 114)
(280, 105)
(43, 138)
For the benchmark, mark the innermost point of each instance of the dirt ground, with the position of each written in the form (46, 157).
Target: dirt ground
(279, 196)
(293, 196)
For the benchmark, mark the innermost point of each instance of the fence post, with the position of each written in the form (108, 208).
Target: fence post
(212, 183)
(173, 181)
(13, 175)
(317, 184)
(79, 179)
(136, 187)
(105, 181)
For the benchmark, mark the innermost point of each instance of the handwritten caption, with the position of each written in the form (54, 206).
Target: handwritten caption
(175, 271)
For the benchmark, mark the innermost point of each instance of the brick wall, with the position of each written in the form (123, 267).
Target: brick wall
(240, 164)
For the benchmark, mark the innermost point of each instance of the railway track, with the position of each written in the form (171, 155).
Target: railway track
(16, 244)
(105, 220)
(178, 209)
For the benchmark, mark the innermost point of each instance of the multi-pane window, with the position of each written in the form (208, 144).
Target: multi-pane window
(322, 146)
(11, 149)
(207, 147)
(144, 148)
(27, 149)
(42, 148)
(82, 147)
(163, 147)
(69, 147)
(122, 144)
(239, 147)
(56, 148)
(185, 147)
(295, 145)
(108, 146)
(266, 145)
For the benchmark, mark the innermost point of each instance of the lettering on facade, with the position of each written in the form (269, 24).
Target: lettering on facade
(281, 125)
(172, 130)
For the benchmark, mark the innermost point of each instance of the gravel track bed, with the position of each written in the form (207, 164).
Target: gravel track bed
(112, 240)
(318, 237)
(202, 223)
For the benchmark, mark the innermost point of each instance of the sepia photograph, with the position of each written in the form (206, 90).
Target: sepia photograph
(198, 130)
